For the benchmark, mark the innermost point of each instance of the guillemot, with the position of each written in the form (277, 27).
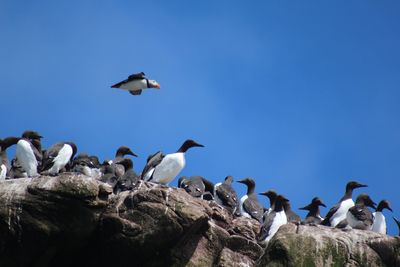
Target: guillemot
(28, 156)
(379, 224)
(57, 157)
(313, 216)
(275, 219)
(196, 186)
(136, 83)
(5, 165)
(249, 206)
(129, 180)
(271, 194)
(359, 216)
(119, 155)
(398, 223)
(291, 216)
(162, 168)
(226, 196)
(338, 212)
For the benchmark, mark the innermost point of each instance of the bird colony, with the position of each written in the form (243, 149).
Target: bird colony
(31, 160)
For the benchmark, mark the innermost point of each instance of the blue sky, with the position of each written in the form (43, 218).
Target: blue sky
(302, 96)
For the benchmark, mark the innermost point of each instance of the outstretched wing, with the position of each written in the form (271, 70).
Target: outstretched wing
(137, 76)
(152, 162)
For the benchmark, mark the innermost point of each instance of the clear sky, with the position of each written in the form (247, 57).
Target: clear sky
(302, 96)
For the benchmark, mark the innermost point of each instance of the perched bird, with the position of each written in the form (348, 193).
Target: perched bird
(249, 206)
(291, 216)
(271, 194)
(57, 157)
(275, 219)
(108, 174)
(162, 168)
(313, 216)
(398, 223)
(136, 83)
(379, 224)
(119, 155)
(5, 166)
(226, 196)
(28, 156)
(338, 212)
(129, 180)
(196, 186)
(359, 216)
(87, 165)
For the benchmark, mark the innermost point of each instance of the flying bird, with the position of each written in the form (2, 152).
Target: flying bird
(136, 83)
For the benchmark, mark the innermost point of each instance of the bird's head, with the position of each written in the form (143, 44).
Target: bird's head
(154, 84)
(124, 150)
(384, 204)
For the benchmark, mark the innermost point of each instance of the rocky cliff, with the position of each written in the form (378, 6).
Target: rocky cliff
(72, 220)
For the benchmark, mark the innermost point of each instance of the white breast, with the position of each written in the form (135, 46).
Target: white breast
(3, 171)
(170, 166)
(63, 157)
(340, 214)
(242, 211)
(26, 157)
(134, 85)
(379, 224)
(279, 220)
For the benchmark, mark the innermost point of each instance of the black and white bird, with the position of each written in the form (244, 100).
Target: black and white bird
(271, 194)
(275, 219)
(398, 223)
(196, 186)
(338, 212)
(291, 216)
(162, 168)
(249, 205)
(136, 83)
(359, 216)
(5, 165)
(379, 224)
(313, 216)
(57, 157)
(119, 155)
(28, 156)
(129, 180)
(226, 196)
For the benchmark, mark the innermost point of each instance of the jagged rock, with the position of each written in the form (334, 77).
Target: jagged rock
(74, 220)
(323, 246)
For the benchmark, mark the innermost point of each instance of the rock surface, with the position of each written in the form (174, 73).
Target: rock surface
(73, 220)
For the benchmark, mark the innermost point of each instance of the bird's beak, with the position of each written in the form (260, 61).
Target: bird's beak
(304, 208)
(157, 86)
(263, 194)
(362, 185)
(241, 181)
(132, 154)
(323, 205)
(389, 208)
